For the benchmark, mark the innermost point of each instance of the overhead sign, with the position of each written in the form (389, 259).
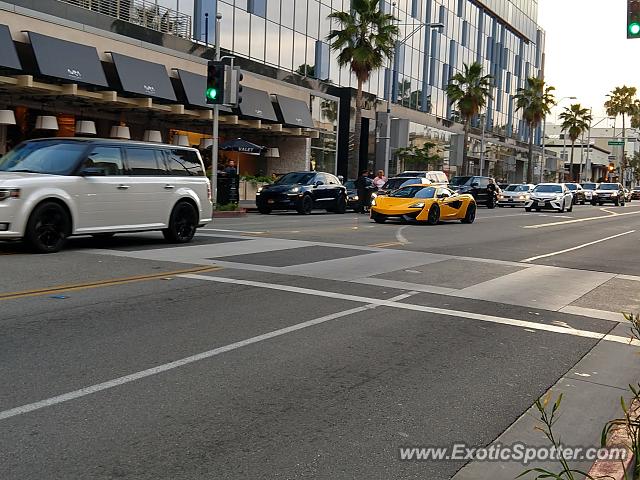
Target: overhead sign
(615, 142)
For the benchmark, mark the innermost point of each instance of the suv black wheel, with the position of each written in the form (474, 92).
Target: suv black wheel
(470, 216)
(434, 215)
(264, 210)
(182, 223)
(306, 205)
(341, 205)
(48, 228)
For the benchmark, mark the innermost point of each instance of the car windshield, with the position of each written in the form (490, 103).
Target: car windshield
(415, 191)
(517, 188)
(303, 178)
(53, 157)
(548, 189)
(572, 186)
(609, 186)
(459, 181)
(398, 182)
(589, 186)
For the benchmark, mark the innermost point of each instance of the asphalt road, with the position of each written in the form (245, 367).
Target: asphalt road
(294, 347)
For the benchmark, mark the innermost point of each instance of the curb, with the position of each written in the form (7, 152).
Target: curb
(241, 212)
(618, 437)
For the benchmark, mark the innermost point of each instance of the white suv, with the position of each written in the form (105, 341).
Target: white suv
(56, 187)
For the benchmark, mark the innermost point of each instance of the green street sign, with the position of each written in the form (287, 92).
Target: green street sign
(615, 142)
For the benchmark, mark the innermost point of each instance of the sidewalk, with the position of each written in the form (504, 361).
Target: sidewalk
(249, 205)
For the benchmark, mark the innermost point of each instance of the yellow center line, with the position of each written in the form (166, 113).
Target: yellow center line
(102, 283)
(579, 220)
(387, 244)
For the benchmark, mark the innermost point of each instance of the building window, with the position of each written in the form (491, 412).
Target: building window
(257, 7)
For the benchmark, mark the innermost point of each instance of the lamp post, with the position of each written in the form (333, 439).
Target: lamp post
(587, 166)
(387, 125)
(483, 119)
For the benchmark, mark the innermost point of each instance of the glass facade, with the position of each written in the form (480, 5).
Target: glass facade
(291, 35)
(324, 112)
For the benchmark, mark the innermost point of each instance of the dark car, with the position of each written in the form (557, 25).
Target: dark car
(578, 193)
(353, 200)
(609, 193)
(635, 193)
(303, 191)
(478, 187)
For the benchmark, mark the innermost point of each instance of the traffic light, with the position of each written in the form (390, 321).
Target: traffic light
(214, 93)
(633, 18)
(234, 86)
(612, 167)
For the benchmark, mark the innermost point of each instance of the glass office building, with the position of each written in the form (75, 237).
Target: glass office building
(290, 35)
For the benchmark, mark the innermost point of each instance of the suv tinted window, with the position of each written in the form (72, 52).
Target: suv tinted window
(482, 182)
(108, 159)
(332, 180)
(144, 161)
(184, 163)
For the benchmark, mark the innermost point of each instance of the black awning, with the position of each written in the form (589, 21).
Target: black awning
(143, 78)
(67, 60)
(192, 88)
(8, 55)
(257, 104)
(294, 112)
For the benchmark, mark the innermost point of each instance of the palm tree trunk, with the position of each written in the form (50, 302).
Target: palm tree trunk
(354, 169)
(530, 165)
(573, 148)
(465, 156)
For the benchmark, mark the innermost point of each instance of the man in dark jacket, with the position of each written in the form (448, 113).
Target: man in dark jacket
(363, 186)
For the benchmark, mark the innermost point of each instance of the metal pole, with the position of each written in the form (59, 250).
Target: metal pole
(206, 29)
(387, 132)
(581, 157)
(216, 121)
(587, 166)
(483, 120)
(544, 146)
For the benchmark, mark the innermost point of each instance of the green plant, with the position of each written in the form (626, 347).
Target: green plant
(255, 179)
(419, 158)
(548, 419)
(575, 120)
(469, 91)
(365, 39)
(535, 100)
(227, 207)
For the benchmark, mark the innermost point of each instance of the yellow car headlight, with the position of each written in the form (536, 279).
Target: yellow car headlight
(417, 205)
(373, 202)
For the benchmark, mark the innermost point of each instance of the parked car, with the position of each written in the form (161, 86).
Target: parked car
(515, 195)
(433, 176)
(554, 196)
(478, 187)
(353, 200)
(428, 204)
(303, 192)
(627, 195)
(635, 193)
(578, 193)
(53, 188)
(609, 193)
(396, 182)
(589, 188)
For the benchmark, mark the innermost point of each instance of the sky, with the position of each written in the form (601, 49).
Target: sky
(587, 51)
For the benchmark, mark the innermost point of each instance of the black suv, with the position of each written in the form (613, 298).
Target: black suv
(478, 187)
(303, 191)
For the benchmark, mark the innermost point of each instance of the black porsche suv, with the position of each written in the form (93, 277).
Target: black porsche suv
(478, 187)
(303, 192)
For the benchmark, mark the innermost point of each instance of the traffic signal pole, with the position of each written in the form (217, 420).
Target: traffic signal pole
(216, 123)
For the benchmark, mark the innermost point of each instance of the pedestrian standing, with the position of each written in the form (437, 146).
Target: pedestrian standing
(379, 180)
(363, 186)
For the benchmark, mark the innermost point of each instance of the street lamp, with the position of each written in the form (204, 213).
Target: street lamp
(387, 136)
(587, 165)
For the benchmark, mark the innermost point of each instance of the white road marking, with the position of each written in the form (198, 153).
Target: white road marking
(83, 392)
(401, 238)
(537, 257)
(579, 220)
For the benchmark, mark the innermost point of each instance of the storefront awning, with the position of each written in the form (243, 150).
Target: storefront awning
(143, 78)
(294, 113)
(67, 60)
(193, 89)
(8, 56)
(257, 104)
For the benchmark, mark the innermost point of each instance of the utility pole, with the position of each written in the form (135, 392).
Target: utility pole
(216, 123)
(544, 146)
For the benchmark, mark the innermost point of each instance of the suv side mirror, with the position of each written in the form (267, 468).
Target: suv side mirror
(475, 184)
(93, 172)
(318, 183)
(442, 195)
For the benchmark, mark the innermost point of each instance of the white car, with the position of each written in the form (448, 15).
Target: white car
(53, 188)
(550, 196)
(515, 195)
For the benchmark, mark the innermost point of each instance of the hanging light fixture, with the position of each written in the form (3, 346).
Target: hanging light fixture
(121, 132)
(7, 117)
(181, 141)
(273, 152)
(206, 143)
(46, 122)
(86, 127)
(154, 136)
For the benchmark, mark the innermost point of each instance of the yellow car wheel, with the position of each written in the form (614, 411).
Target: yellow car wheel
(434, 215)
(378, 218)
(470, 215)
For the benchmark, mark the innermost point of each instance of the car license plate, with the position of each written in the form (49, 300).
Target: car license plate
(511, 199)
(541, 204)
(271, 200)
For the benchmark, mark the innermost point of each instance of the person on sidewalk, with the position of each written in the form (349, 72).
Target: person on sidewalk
(379, 180)
(364, 186)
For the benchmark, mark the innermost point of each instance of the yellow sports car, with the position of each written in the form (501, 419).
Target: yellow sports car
(424, 203)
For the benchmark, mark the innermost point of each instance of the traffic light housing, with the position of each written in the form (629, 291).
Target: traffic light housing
(612, 167)
(234, 86)
(215, 92)
(633, 18)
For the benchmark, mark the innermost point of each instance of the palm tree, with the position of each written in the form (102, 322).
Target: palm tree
(366, 38)
(535, 100)
(469, 90)
(575, 121)
(622, 101)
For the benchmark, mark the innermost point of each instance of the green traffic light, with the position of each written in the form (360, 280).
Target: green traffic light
(211, 93)
(634, 28)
